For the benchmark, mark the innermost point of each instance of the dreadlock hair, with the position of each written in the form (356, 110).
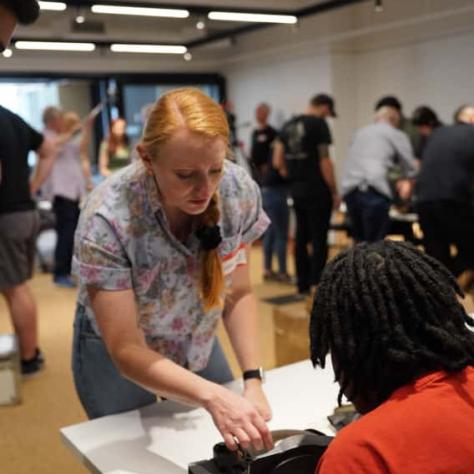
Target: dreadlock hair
(388, 314)
(25, 11)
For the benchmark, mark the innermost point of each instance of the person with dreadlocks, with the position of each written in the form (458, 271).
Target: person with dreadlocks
(403, 353)
(161, 252)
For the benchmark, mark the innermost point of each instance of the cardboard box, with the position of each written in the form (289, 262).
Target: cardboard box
(291, 323)
(9, 370)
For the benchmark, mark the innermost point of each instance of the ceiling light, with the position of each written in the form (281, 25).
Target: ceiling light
(200, 25)
(139, 11)
(188, 56)
(53, 6)
(80, 16)
(8, 53)
(253, 17)
(147, 48)
(54, 46)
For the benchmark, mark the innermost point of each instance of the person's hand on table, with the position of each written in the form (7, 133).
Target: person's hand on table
(238, 420)
(253, 392)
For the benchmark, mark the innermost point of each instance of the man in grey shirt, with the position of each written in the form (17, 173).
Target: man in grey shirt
(374, 150)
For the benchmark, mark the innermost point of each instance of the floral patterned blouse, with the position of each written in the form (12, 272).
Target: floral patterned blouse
(123, 241)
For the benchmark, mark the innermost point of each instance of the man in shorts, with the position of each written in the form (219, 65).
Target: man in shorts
(19, 223)
(18, 219)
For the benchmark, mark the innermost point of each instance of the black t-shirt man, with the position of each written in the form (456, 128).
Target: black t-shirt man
(302, 136)
(17, 139)
(261, 157)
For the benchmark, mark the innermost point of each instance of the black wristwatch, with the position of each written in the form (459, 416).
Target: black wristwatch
(254, 374)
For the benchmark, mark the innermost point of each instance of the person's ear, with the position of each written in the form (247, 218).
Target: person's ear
(145, 158)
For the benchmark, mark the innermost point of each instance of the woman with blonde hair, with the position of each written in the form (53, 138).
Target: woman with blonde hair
(67, 184)
(80, 134)
(162, 254)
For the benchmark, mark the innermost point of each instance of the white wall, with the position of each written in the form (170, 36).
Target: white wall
(344, 88)
(75, 97)
(285, 83)
(437, 72)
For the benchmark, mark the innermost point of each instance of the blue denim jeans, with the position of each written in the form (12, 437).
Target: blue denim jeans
(67, 216)
(102, 390)
(276, 236)
(369, 213)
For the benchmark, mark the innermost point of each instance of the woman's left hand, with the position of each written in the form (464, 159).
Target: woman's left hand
(253, 392)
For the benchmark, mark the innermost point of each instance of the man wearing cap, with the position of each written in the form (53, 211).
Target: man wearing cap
(302, 155)
(366, 182)
(406, 125)
(13, 12)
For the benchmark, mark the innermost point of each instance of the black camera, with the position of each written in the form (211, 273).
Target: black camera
(297, 453)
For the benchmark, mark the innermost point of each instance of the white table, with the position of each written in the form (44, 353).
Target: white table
(167, 437)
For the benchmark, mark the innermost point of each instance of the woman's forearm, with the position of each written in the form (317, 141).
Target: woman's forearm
(116, 315)
(241, 323)
(160, 375)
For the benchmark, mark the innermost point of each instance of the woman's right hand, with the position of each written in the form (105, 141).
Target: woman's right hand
(238, 421)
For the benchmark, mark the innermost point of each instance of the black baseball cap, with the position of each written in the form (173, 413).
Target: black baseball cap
(324, 99)
(25, 11)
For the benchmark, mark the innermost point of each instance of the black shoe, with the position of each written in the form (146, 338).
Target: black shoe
(33, 365)
(268, 275)
(285, 278)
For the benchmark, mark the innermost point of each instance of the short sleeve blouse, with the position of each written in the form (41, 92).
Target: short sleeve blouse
(123, 241)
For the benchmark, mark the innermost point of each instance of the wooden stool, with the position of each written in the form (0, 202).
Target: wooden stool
(291, 324)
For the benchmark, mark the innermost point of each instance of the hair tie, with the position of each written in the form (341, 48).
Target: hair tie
(209, 236)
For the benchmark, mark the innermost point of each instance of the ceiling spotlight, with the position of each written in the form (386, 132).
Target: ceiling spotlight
(200, 25)
(188, 56)
(378, 6)
(80, 18)
(8, 53)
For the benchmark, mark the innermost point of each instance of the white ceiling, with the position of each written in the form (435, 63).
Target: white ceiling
(290, 5)
(58, 25)
(352, 30)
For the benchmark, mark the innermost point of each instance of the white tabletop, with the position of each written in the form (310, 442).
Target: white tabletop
(167, 437)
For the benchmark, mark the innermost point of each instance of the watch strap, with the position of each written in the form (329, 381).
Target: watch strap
(253, 374)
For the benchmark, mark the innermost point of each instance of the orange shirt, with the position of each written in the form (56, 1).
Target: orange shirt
(426, 427)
